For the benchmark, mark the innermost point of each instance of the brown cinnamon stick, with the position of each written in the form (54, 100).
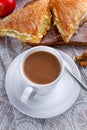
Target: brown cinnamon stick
(83, 63)
(81, 58)
(85, 54)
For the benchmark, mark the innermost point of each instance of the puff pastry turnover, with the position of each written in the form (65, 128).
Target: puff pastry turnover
(68, 14)
(28, 24)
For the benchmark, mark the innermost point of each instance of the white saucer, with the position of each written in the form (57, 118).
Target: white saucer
(58, 101)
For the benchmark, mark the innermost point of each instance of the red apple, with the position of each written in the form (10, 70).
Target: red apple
(6, 7)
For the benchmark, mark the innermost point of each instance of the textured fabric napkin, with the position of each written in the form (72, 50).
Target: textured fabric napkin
(11, 119)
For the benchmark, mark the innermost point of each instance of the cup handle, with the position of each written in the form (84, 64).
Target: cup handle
(26, 94)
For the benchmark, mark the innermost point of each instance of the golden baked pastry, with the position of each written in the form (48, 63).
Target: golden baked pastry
(28, 24)
(31, 23)
(68, 15)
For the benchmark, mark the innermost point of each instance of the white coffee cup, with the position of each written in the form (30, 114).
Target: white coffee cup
(31, 89)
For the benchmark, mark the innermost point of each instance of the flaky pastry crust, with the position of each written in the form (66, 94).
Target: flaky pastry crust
(29, 24)
(68, 15)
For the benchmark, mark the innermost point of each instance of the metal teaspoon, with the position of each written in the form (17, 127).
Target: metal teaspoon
(83, 86)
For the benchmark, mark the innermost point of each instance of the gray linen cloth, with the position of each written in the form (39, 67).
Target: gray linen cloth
(11, 119)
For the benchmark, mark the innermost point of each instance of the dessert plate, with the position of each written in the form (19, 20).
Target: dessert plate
(55, 103)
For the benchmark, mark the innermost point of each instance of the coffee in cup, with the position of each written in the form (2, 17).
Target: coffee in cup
(41, 68)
